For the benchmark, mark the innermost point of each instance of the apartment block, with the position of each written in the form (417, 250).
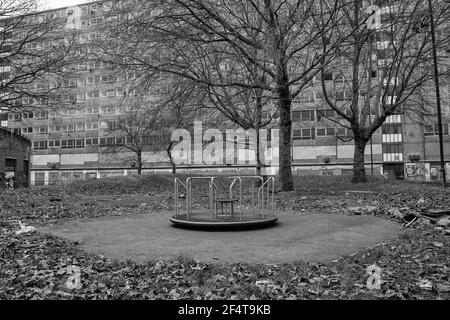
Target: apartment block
(80, 141)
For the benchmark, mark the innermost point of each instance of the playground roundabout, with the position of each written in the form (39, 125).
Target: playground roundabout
(204, 222)
(221, 207)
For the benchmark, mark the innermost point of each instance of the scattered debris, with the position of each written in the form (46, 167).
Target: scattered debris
(425, 284)
(445, 221)
(396, 213)
(25, 229)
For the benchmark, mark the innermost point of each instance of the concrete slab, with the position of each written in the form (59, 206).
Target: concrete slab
(296, 237)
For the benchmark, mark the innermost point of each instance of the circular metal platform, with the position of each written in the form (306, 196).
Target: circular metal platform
(230, 223)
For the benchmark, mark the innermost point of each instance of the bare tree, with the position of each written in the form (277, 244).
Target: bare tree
(278, 38)
(33, 58)
(249, 108)
(378, 72)
(157, 106)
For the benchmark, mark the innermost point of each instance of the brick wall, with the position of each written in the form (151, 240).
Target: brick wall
(14, 157)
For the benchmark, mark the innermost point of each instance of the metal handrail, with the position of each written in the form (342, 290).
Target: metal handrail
(211, 194)
(261, 193)
(178, 181)
(233, 183)
(262, 198)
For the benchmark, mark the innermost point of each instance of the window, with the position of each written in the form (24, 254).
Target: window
(392, 148)
(108, 110)
(319, 95)
(307, 96)
(304, 134)
(327, 75)
(70, 83)
(27, 115)
(131, 76)
(54, 113)
(79, 143)
(92, 142)
(54, 144)
(68, 112)
(15, 117)
(91, 126)
(41, 115)
(343, 95)
(95, 65)
(327, 113)
(84, 10)
(107, 6)
(70, 128)
(92, 110)
(41, 130)
(57, 42)
(27, 130)
(433, 130)
(322, 132)
(344, 132)
(92, 95)
(391, 129)
(93, 9)
(40, 145)
(31, 45)
(79, 127)
(111, 125)
(107, 79)
(119, 141)
(70, 98)
(67, 144)
(95, 21)
(304, 115)
(69, 12)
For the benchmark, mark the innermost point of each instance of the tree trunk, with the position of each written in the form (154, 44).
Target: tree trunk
(169, 154)
(359, 170)
(257, 128)
(139, 162)
(284, 103)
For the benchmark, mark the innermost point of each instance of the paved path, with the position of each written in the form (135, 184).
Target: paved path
(310, 237)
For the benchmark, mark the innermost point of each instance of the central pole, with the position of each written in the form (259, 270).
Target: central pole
(438, 95)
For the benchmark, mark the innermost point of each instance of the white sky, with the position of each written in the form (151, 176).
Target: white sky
(52, 4)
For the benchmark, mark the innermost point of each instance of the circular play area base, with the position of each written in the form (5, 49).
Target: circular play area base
(231, 223)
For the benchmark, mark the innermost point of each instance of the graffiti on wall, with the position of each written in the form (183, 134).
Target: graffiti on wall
(416, 170)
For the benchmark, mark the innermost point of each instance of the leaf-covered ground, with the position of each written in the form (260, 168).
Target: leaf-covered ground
(34, 266)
